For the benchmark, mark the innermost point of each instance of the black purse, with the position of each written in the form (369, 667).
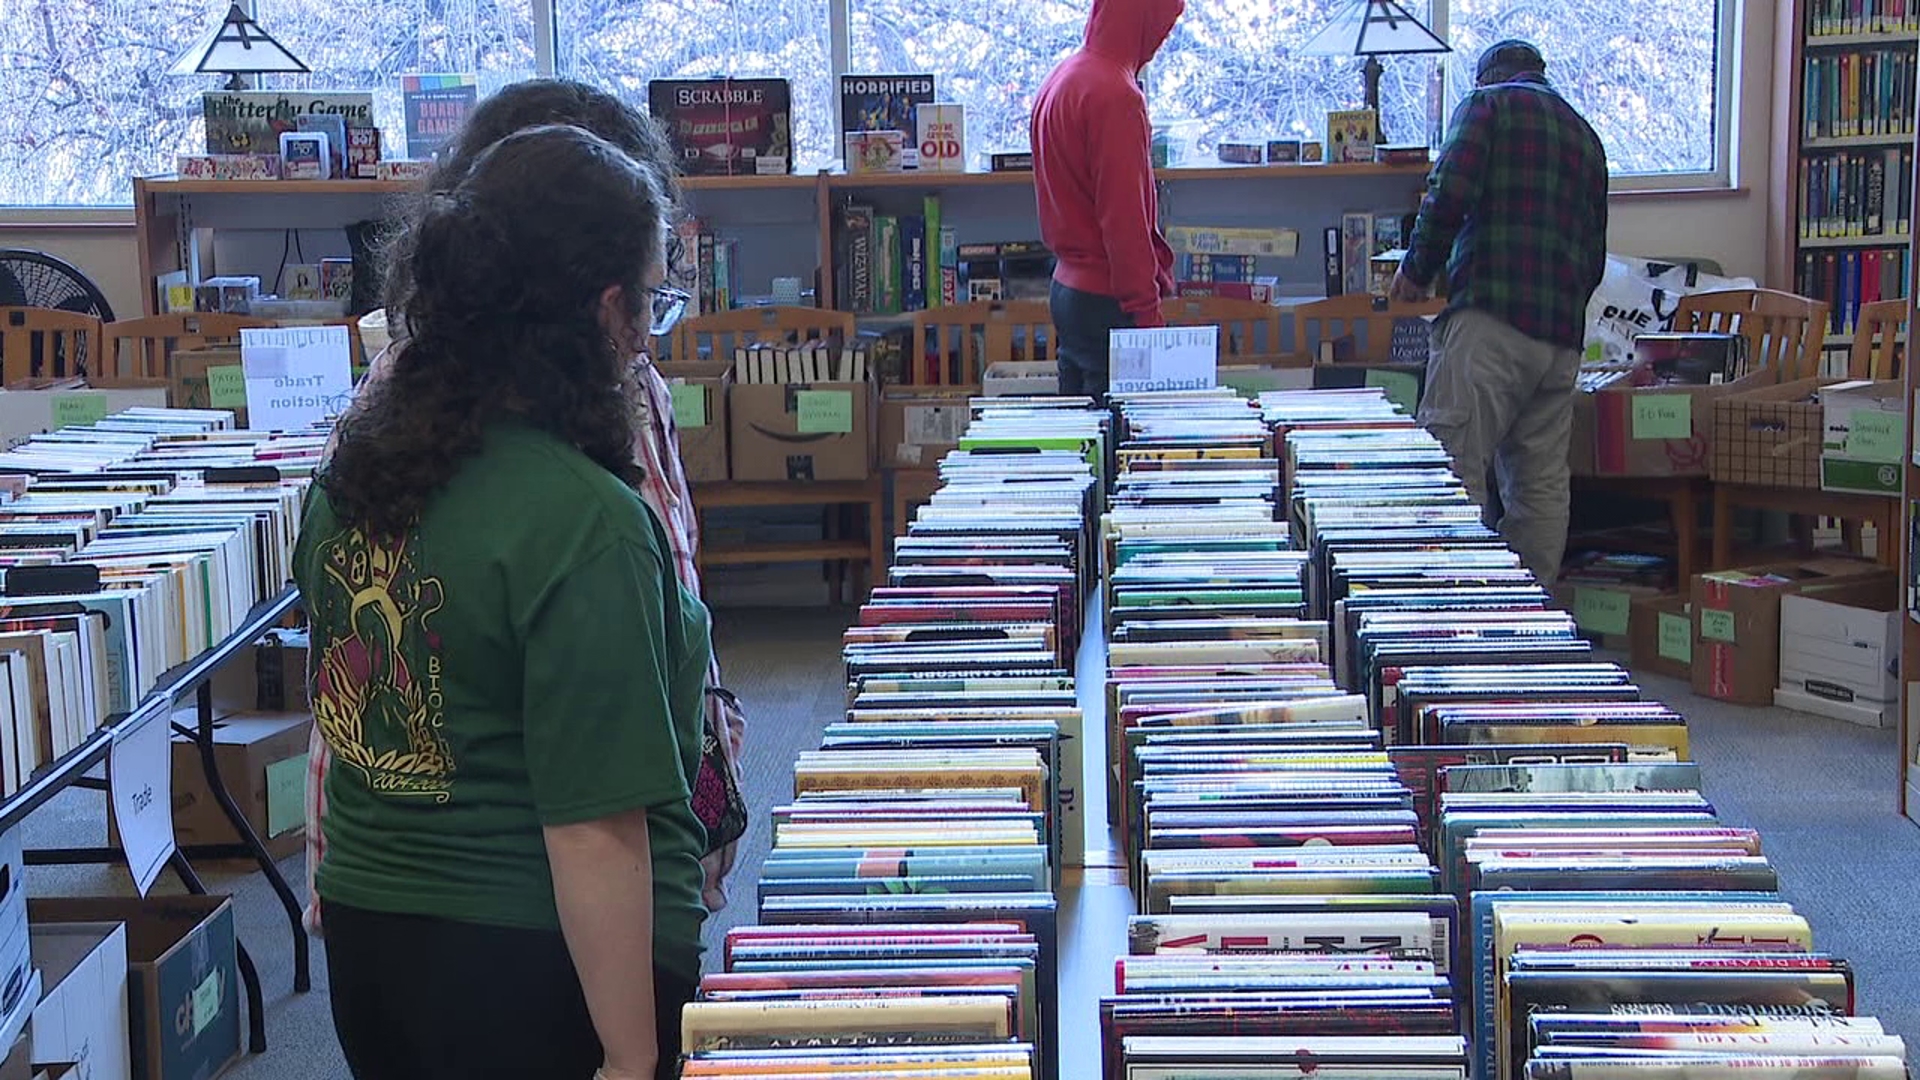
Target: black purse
(717, 800)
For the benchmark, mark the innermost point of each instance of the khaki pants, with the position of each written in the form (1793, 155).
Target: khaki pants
(1496, 397)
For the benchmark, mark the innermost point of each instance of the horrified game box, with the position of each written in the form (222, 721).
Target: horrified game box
(727, 127)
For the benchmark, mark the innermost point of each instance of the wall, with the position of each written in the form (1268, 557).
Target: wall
(1729, 226)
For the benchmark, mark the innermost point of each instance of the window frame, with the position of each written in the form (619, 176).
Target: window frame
(1728, 81)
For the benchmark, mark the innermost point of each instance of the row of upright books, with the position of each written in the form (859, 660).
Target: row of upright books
(889, 941)
(1859, 92)
(129, 546)
(1850, 279)
(1828, 18)
(1862, 193)
(1386, 811)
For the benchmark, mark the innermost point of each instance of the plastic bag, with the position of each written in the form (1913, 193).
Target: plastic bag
(1639, 296)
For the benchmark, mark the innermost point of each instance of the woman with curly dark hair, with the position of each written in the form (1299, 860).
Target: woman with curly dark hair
(656, 442)
(505, 669)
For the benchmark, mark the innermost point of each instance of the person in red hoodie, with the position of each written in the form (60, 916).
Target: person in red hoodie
(1093, 171)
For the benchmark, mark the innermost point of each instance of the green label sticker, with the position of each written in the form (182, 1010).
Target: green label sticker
(823, 411)
(1402, 389)
(206, 1001)
(1716, 625)
(72, 407)
(689, 405)
(1602, 611)
(1875, 435)
(1676, 638)
(1662, 416)
(227, 387)
(286, 794)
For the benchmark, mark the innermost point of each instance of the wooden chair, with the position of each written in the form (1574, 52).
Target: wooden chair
(1784, 332)
(1357, 317)
(720, 333)
(954, 345)
(45, 343)
(1877, 351)
(1248, 328)
(144, 348)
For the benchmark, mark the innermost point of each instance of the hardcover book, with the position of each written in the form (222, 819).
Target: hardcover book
(727, 127)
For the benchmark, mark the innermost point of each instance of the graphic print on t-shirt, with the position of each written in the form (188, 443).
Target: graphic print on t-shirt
(376, 687)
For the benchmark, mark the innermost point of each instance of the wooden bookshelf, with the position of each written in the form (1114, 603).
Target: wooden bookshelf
(1276, 173)
(1815, 265)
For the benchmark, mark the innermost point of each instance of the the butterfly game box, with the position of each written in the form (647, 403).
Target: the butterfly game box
(727, 127)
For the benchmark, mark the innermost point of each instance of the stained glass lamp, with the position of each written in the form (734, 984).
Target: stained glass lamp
(238, 46)
(1373, 28)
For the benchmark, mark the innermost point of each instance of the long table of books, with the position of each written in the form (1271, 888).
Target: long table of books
(139, 552)
(1383, 811)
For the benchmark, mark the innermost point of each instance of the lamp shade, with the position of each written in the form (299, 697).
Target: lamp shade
(1373, 28)
(238, 46)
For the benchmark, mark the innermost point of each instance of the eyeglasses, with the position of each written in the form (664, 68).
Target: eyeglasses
(668, 305)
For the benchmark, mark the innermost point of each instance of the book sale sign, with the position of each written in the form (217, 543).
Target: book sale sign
(1164, 358)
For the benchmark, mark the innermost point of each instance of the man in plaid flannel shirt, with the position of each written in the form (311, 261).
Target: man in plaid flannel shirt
(1516, 209)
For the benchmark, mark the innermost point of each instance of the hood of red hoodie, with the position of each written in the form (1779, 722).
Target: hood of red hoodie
(1129, 32)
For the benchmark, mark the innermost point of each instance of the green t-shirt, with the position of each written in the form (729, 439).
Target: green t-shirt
(501, 668)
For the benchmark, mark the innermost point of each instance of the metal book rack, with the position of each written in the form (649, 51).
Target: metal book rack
(193, 677)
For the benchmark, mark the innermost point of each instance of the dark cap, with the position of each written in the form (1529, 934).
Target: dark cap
(1503, 60)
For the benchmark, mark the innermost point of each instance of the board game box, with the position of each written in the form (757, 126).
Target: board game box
(727, 127)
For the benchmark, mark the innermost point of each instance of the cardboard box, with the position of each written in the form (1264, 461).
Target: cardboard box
(1580, 460)
(800, 431)
(189, 387)
(700, 416)
(1842, 644)
(1659, 430)
(1736, 622)
(1864, 437)
(1853, 713)
(18, 990)
(183, 984)
(270, 677)
(29, 410)
(1020, 378)
(1603, 612)
(82, 1016)
(919, 427)
(1770, 436)
(1662, 636)
(263, 759)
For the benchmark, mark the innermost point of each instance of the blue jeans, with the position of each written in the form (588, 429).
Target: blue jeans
(1081, 321)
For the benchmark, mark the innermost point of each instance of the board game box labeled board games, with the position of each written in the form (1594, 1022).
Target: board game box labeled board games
(727, 127)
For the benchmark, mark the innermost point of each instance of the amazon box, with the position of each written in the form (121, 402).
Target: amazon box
(801, 431)
(1664, 430)
(1736, 622)
(183, 986)
(919, 427)
(700, 416)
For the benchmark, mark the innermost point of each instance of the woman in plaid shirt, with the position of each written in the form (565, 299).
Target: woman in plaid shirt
(656, 443)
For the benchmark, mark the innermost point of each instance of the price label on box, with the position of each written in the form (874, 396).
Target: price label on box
(227, 387)
(1875, 435)
(1676, 638)
(1602, 611)
(74, 408)
(1716, 625)
(1662, 416)
(823, 412)
(689, 405)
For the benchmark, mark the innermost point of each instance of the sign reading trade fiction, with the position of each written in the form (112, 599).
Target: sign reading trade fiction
(295, 375)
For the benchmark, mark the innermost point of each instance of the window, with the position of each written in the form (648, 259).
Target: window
(85, 101)
(989, 55)
(369, 44)
(1228, 72)
(1645, 73)
(619, 45)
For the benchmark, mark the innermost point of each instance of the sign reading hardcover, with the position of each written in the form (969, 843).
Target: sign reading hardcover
(295, 375)
(1164, 358)
(251, 121)
(727, 127)
(436, 106)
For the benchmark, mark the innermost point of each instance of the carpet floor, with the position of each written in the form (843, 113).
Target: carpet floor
(1821, 792)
